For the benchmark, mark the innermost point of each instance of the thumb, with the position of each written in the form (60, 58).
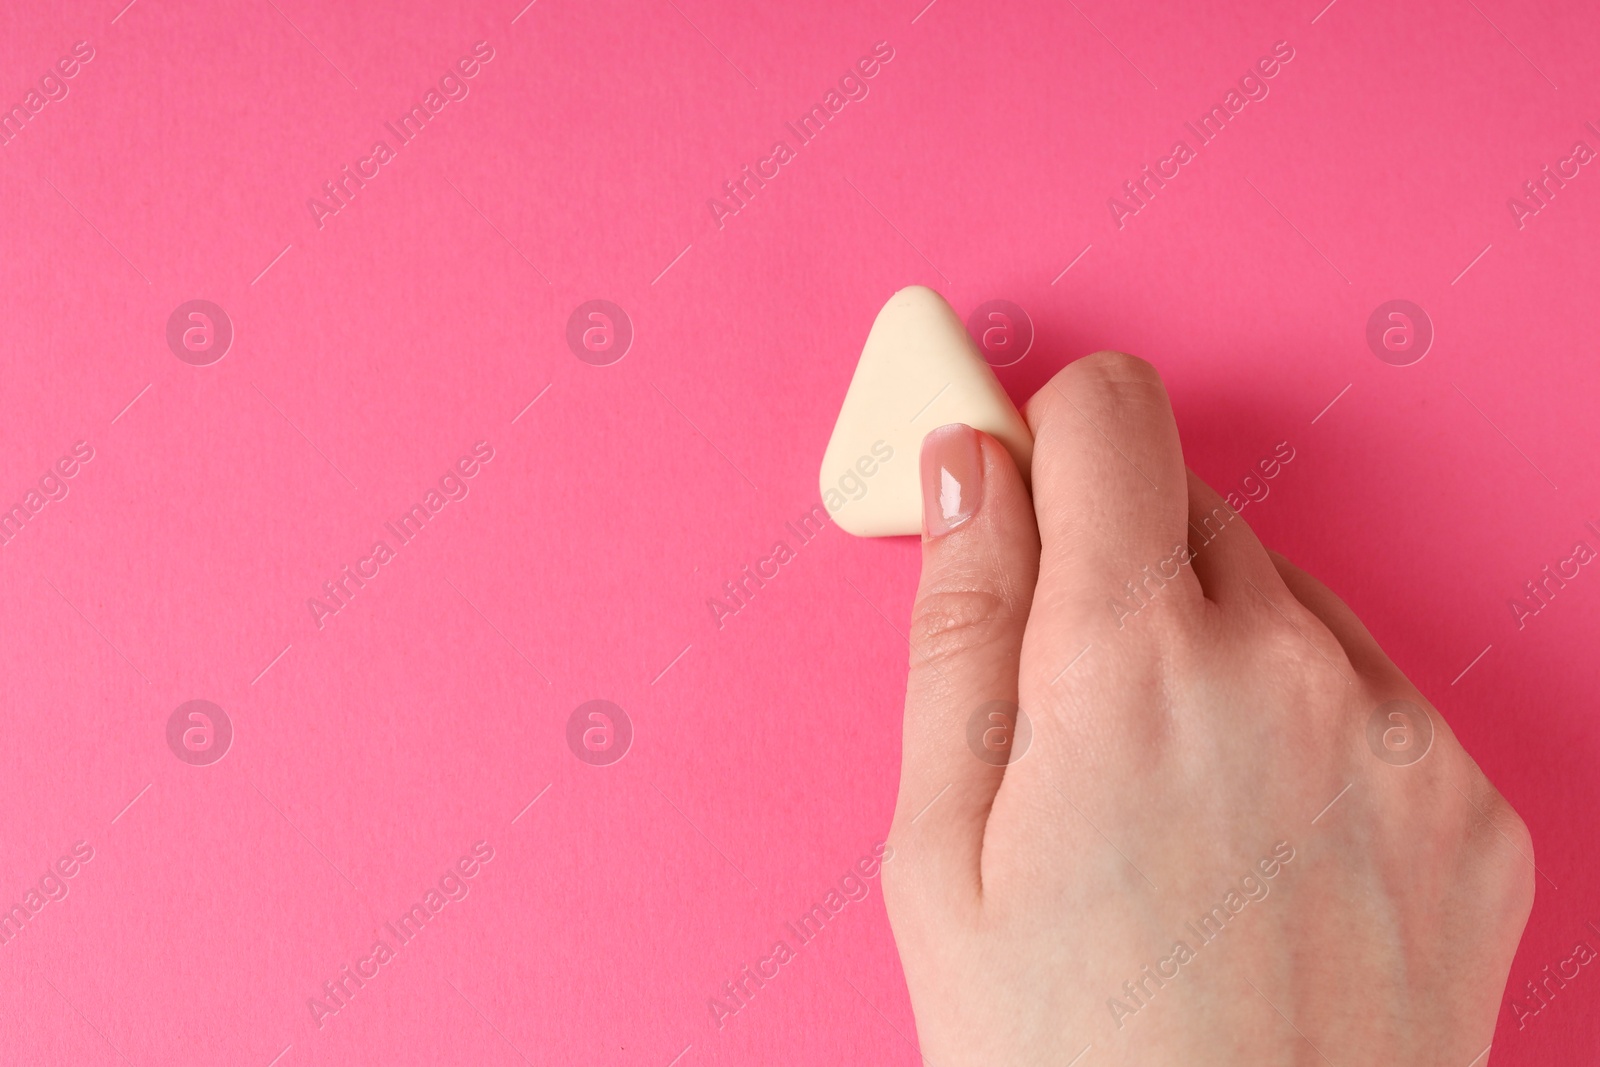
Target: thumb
(980, 560)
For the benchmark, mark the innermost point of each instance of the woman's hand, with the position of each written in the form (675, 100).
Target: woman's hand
(1229, 832)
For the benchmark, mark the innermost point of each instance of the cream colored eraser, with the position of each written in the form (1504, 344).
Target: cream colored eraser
(918, 371)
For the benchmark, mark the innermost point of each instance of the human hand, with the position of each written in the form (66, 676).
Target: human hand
(1237, 834)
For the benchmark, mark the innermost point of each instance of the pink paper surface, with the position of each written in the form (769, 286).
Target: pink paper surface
(374, 347)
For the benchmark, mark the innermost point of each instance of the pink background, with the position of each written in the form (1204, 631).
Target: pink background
(428, 313)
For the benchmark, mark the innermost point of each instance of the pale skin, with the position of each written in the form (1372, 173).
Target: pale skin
(1199, 740)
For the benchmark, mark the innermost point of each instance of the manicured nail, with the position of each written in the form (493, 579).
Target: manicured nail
(952, 478)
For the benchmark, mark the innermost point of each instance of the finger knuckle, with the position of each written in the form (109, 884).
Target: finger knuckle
(950, 623)
(1501, 821)
(1105, 382)
(1299, 648)
(1116, 386)
(1504, 845)
(1115, 368)
(1514, 828)
(1109, 388)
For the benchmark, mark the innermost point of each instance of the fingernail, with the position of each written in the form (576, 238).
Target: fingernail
(952, 478)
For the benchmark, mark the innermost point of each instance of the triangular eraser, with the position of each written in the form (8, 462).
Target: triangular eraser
(918, 371)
